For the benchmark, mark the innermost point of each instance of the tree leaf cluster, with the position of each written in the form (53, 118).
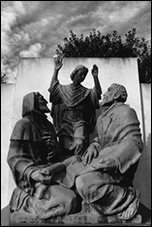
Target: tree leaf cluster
(110, 45)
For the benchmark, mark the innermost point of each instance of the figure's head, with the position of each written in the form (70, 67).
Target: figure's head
(34, 101)
(41, 103)
(115, 93)
(79, 73)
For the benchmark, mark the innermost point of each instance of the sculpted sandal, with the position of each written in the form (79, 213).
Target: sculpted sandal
(131, 210)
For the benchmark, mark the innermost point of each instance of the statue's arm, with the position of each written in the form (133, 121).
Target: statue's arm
(96, 80)
(57, 66)
(54, 94)
(20, 161)
(120, 155)
(55, 75)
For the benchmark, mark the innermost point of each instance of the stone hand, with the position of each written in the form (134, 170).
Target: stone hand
(49, 140)
(42, 177)
(91, 153)
(58, 62)
(106, 164)
(95, 70)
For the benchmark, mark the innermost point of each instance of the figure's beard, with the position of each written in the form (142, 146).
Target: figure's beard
(44, 109)
(106, 102)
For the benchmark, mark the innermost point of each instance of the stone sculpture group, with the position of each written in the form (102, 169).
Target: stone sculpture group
(57, 169)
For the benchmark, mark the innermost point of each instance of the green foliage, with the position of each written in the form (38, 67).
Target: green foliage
(98, 45)
(3, 76)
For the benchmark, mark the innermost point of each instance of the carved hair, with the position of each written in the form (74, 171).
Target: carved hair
(120, 91)
(79, 68)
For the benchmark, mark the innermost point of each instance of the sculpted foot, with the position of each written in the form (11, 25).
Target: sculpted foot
(131, 210)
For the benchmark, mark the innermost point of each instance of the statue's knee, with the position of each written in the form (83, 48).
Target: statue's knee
(69, 201)
(71, 196)
(68, 197)
(80, 184)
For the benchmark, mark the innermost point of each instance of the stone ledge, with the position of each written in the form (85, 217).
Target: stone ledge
(86, 217)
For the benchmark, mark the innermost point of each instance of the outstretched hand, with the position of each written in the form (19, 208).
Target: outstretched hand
(95, 70)
(58, 61)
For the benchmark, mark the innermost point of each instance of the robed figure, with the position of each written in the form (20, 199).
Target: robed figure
(34, 157)
(104, 176)
(73, 108)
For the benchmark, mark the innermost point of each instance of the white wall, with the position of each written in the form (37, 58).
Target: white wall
(34, 74)
(7, 94)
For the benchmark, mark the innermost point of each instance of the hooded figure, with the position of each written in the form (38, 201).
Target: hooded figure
(33, 158)
(73, 109)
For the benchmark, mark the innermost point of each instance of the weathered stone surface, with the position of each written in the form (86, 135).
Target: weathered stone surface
(87, 216)
(90, 217)
(31, 70)
(6, 219)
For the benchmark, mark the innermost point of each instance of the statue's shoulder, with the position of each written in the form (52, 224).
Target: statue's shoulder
(23, 122)
(86, 89)
(127, 108)
(123, 107)
(126, 111)
(25, 129)
(22, 126)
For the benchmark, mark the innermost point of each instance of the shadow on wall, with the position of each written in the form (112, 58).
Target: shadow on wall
(142, 179)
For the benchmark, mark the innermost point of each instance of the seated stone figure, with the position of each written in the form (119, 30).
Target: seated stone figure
(104, 176)
(33, 158)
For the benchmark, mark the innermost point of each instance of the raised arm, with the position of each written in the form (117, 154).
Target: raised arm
(96, 79)
(57, 66)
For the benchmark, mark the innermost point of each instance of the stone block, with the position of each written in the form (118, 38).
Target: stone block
(87, 216)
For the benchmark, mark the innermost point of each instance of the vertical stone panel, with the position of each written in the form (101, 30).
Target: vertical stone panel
(7, 93)
(142, 179)
(34, 74)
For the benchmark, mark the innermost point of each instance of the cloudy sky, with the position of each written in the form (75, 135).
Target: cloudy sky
(35, 28)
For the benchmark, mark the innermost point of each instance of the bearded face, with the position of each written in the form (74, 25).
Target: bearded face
(108, 97)
(114, 93)
(42, 104)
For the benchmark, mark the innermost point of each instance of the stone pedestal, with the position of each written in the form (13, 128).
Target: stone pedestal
(88, 216)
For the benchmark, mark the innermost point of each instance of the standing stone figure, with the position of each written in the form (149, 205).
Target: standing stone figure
(104, 177)
(73, 108)
(34, 158)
